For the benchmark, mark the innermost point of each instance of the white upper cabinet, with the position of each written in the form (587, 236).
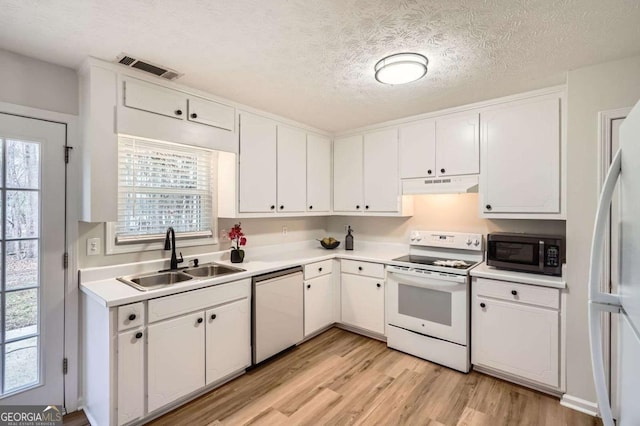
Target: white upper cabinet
(318, 173)
(521, 158)
(257, 192)
(458, 145)
(418, 150)
(211, 113)
(156, 99)
(348, 174)
(292, 169)
(381, 180)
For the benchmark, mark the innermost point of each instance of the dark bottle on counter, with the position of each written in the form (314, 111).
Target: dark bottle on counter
(348, 240)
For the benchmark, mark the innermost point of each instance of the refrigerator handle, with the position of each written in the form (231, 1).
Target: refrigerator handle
(599, 301)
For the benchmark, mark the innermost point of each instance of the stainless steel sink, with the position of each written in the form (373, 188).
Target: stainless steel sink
(211, 270)
(146, 282)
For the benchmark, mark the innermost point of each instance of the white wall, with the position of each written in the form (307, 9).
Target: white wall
(37, 84)
(591, 90)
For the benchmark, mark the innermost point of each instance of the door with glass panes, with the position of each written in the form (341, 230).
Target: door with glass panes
(32, 244)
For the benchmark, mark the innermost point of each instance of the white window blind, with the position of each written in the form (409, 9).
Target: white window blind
(162, 185)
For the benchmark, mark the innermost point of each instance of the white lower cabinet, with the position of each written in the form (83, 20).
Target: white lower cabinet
(176, 359)
(130, 375)
(362, 301)
(228, 339)
(318, 303)
(511, 335)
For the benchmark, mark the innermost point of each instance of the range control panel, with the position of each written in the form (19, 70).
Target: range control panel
(453, 240)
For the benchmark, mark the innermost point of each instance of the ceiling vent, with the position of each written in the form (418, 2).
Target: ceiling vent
(147, 66)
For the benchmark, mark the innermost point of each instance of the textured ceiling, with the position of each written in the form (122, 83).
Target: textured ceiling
(312, 61)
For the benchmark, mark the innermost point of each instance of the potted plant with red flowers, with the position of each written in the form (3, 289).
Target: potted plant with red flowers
(237, 237)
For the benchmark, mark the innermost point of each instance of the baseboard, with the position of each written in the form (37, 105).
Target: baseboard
(362, 332)
(578, 404)
(518, 381)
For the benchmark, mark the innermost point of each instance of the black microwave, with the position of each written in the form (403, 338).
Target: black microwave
(538, 254)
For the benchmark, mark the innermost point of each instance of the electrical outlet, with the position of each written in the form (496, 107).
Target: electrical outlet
(284, 230)
(93, 246)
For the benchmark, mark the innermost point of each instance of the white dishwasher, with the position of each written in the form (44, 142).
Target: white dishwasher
(278, 317)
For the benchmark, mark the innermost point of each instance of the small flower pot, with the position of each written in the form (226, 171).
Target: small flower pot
(237, 256)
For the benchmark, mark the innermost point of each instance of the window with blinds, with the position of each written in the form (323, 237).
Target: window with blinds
(161, 185)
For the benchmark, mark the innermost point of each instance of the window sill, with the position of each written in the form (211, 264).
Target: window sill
(113, 248)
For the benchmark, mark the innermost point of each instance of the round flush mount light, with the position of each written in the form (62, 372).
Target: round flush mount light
(401, 68)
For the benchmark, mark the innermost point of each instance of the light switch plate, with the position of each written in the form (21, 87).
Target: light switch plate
(93, 246)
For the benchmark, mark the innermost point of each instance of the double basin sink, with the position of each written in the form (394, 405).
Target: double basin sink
(155, 280)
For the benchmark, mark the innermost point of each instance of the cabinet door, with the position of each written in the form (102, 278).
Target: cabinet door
(130, 376)
(363, 302)
(152, 98)
(418, 150)
(292, 170)
(318, 173)
(175, 359)
(211, 113)
(228, 339)
(381, 181)
(347, 174)
(318, 303)
(257, 164)
(517, 339)
(521, 158)
(458, 145)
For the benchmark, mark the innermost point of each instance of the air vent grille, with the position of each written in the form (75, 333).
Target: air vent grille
(146, 66)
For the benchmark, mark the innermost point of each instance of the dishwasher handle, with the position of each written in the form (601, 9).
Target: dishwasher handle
(276, 274)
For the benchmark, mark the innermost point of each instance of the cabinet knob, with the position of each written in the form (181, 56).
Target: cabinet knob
(310, 207)
(319, 269)
(194, 115)
(272, 207)
(281, 207)
(132, 317)
(213, 316)
(442, 170)
(200, 320)
(358, 207)
(359, 268)
(488, 206)
(366, 207)
(139, 335)
(308, 285)
(483, 305)
(429, 172)
(178, 112)
(378, 285)
(514, 292)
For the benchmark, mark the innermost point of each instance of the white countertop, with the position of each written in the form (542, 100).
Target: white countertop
(485, 271)
(101, 283)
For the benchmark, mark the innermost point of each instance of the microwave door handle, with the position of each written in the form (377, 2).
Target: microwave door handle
(541, 255)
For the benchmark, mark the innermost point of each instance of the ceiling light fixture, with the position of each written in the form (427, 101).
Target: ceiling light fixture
(401, 68)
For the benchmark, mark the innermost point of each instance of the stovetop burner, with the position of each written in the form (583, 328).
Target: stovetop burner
(435, 261)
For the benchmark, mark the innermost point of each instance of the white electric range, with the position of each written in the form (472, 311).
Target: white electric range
(428, 297)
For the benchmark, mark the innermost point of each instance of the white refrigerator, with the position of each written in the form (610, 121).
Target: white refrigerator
(625, 172)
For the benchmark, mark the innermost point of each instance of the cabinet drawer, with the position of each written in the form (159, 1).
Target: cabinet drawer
(178, 304)
(375, 270)
(317, 269)
(523, 293)
(130, 316)
(211, 113)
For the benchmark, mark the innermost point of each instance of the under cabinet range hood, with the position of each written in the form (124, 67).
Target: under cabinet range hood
(440, 185)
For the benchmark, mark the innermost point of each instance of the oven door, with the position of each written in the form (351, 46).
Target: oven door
(435, 305)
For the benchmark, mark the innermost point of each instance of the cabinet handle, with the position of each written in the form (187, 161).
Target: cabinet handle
(366, 207)
(310, 207)
(319, 269)
(429, 172)
(132, 317)
(139, 335)
(194, 115)
(213, 316)
(482, 305)
(178, 112)
(358, 207)
(359, 268)
(378, 285)
(281, 207)
(442, 170)
(272, 207)
(515, 293)
(200, 320)
(308, 285)
(488, 206)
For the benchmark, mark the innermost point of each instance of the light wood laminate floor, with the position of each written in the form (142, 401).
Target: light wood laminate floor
(341, 378)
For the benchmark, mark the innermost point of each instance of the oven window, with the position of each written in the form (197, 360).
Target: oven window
(526, 254)
(426, 304)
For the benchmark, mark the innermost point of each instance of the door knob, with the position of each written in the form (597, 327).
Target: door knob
(132, 317)
(194, 115)
(213, 316)
(178, 112)
(200, 320)
(482, 305)
(138, 335)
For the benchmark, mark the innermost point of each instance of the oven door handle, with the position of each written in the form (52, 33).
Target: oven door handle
(429, 282)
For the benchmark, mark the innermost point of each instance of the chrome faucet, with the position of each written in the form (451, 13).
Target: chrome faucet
(171, 245)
